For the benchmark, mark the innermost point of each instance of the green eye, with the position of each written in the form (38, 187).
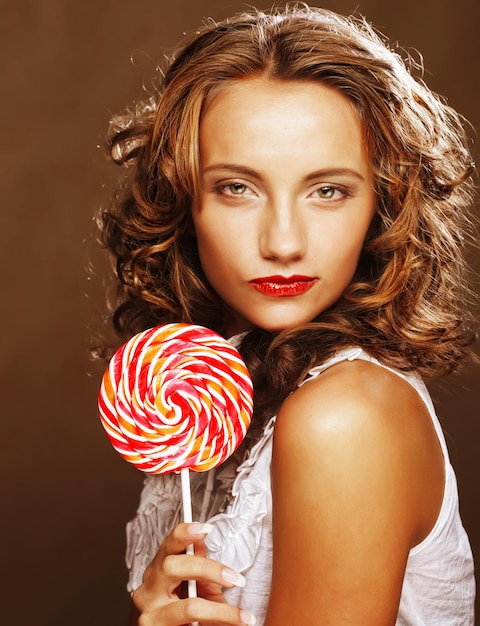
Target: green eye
(327, 192)
(237, 189)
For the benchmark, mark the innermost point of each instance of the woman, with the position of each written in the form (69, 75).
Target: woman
(293, 187)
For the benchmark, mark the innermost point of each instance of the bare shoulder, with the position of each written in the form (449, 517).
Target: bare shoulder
(358, 401)
(370, 422)
(357, 477)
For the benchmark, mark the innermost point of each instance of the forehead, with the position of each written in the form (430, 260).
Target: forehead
(252, 95)
(253, 87)
(252, 114)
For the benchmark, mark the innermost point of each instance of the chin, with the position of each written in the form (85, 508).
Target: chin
(273, 327)
(270, 322)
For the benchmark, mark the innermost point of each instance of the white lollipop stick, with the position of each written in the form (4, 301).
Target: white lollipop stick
(187, 518)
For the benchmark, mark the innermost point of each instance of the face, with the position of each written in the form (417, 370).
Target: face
(285, 203)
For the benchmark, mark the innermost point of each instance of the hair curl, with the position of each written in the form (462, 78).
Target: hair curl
(405, 305)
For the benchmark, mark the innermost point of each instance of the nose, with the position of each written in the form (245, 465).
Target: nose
(283, 236)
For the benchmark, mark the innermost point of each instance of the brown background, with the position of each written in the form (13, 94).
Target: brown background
(66, 66)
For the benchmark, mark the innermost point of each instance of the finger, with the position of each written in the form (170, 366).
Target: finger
(163, 577)
(197, 610)
(183, 535)
(186, 567)
(200, 548)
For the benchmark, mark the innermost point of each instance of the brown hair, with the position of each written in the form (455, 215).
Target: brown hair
(405, 305)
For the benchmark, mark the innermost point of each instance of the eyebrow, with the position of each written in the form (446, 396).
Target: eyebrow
(249, 172)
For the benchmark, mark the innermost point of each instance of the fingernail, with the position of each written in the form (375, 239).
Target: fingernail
(247, 618)
(199, 529)
(233, 578)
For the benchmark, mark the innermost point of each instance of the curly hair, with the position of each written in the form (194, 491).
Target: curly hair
(406, 302)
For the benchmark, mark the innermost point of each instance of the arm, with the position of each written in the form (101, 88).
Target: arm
(355, 453)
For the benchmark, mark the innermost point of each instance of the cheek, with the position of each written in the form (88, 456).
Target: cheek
(214, 247)
(343, 256)
(219, 237)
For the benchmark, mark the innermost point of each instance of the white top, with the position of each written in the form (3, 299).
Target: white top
(439, 585)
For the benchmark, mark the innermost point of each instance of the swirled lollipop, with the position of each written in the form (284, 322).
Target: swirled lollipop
(176, 397)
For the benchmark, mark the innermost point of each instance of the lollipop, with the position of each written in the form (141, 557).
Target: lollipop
(176, 398)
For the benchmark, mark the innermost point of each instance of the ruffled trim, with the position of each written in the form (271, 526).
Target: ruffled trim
(236, 534)
(160, 506)
(160, 509)
(348, 354)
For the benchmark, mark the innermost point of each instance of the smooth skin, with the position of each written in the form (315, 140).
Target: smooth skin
(356, 452)
(287, 189)
(357, 469)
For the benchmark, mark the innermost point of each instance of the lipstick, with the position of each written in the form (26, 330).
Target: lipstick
(283, 286)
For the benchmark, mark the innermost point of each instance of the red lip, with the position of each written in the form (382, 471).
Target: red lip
(283, 286)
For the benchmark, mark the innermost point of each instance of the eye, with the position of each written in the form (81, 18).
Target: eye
(231, 189)
(236, 189)
(330, 192)
(327, 192)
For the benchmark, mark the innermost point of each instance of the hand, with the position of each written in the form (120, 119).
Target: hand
(159, 600)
